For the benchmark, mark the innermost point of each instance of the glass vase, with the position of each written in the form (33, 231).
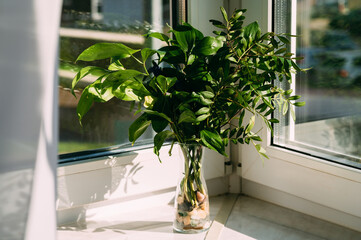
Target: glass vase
(191, 198)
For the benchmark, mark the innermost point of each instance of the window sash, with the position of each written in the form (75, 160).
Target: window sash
(292, 179)
(287, 133)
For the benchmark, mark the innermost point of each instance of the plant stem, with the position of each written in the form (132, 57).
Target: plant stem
(136, 59)
(192, 181)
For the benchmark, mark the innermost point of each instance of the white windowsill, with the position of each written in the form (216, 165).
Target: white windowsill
(234, 217)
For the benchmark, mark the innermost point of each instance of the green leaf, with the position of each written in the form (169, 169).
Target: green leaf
(255, 101)
(170, 82)
(85, 102)
(273, 120)
(265, 36)
(271, 94)
(202, 110)
(224, 14)
(225, 141)
(207, 46)
(138, 88)
(122, 75)
(209, 89)
(265, 87)
(128, 90)
(233, 131)
(256, 138)
(155, 113)
(298, 58)
(237, 14)
(146, 53)
(221, 38)
(251, 124)
(164, 83)
(85, 71)
(138, 127)
(274, 43)
(172, 54)
(100, 94)
(295, 97)
(199, 34)
(252, 31)
(119, 91)
(213, 140)
(225, 132)
(159, 36)
(269, 112)
(239, 132)
(159, 140)
(191, 59)
(207, 94)
(115, 66)
(262, 107)
(187, 116)
(202, 117)
(185, 36)
(218, 24)
(269, 125)
(241, 116)
(204, 101)
(284, 40)
(159, 124)
(100, 51)
(281, 50)
(261, 150)
(299, 104)
(237, 26)
(288, 92)
(295, 66)
(183, 106)
(232, 59)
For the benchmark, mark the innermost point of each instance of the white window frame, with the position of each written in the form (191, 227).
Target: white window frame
(304, 183)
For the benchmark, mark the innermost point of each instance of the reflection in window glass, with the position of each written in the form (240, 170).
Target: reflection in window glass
(86, 22)
(330, 44)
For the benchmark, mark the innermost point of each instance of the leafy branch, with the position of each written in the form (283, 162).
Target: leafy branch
(198, 85)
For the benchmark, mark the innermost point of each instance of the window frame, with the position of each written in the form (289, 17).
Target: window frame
(294, 179)
(91, 154)
(74, 157)
(291, 144)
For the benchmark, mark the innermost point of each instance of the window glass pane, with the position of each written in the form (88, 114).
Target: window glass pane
(86, 22)
(329, 125)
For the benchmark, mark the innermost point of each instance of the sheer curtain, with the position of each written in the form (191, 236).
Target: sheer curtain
(28, 118)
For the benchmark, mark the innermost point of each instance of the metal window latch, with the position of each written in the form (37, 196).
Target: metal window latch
(239, 169)
(228, 167)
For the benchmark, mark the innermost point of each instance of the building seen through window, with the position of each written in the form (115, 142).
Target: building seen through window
(84, 23)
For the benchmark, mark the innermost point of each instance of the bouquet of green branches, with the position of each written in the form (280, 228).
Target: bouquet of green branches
(196, 89)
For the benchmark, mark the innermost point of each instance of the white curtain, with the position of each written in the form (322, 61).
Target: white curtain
(28, 118)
